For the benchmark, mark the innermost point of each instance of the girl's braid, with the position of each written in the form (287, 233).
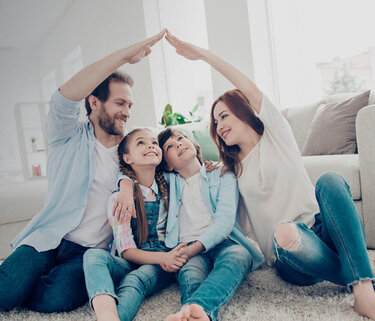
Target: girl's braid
(163, 187)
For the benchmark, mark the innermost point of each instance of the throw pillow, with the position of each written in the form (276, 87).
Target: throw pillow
(333, 128)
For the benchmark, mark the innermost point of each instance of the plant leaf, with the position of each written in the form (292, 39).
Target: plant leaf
(167, 108)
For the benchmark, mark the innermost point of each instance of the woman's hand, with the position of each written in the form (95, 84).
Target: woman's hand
(185, 49)
(210, 165)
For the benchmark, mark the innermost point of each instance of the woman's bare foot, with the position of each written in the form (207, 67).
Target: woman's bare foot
(364, 299)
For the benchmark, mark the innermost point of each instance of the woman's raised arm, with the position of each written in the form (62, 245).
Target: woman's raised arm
(236, 77)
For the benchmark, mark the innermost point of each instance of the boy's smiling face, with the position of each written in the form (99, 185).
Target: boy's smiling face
(179, 151)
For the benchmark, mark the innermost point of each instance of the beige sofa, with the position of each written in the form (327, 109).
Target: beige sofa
(19, 202)
(357, 169)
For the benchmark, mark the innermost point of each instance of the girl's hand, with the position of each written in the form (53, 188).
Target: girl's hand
(174, 259)
(210, 165)
(185, 49)
(139, 50)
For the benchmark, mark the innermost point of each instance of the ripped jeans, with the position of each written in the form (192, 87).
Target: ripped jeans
(334, 248)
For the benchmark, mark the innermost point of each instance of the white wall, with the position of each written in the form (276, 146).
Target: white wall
(18, 79)
(229, 37)
(100, 27)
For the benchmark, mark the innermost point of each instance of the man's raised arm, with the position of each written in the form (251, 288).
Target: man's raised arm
(86, 80)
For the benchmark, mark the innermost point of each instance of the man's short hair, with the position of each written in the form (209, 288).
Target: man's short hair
(102, 90)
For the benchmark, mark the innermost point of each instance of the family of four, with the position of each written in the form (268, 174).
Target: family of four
(125, 216)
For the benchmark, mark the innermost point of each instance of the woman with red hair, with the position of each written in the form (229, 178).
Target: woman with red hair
(309, 234)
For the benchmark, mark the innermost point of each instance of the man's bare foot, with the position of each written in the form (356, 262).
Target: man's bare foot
(364, 299)
(197, 313)
(182, 315)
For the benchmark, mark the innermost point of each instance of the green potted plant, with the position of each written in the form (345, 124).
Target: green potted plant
(169, 118)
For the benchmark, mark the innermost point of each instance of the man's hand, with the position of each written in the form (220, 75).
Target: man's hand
(86, 80)
(139, 50)
(123, 206)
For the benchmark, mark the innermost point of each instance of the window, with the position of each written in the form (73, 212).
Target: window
(181, 83)
(322, 48)
(72, 63)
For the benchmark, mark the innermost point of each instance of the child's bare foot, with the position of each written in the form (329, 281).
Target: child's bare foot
(197, 313)
(105, 308)
(364, 299)
(182, 315)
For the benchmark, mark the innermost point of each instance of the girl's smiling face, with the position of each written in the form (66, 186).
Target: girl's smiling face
(143, 149)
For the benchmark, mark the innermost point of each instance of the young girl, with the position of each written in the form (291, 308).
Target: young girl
(202, 213)
(135, 272)
(309, 237)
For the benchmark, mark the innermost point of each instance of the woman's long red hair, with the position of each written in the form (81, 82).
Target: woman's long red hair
(240, 106)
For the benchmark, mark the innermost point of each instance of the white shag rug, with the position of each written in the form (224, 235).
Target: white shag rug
(262, 296)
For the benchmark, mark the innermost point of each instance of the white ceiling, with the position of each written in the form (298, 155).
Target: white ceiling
(25, 22)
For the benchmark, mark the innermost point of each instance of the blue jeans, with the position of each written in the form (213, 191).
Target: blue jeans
(50, 281)
(127, 284)
(210, 279)
(334, 249)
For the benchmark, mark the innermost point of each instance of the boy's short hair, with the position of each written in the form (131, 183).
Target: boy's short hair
(168, 133)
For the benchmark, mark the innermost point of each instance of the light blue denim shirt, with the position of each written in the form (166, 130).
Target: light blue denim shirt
(220, 194)
(70, 172)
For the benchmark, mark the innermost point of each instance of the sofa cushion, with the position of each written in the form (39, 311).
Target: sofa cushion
(21, 201)
(208, 147)
(300, 120)
(345, 165)
(333, 128)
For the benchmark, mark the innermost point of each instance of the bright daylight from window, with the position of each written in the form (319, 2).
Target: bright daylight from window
(322, 48)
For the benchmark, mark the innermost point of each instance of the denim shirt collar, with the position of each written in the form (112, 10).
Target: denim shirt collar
(89, 126)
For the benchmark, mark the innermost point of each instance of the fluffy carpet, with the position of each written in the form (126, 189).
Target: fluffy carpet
(262, 296)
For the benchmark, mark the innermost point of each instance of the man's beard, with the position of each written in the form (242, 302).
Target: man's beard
(108, 124)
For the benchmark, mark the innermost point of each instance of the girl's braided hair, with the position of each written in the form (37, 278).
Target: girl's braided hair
(127, 170)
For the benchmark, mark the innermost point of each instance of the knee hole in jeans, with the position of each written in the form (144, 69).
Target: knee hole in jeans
(288, 237)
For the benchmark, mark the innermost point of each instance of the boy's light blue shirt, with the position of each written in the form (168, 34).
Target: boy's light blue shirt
(220, 194)
(70, 172)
